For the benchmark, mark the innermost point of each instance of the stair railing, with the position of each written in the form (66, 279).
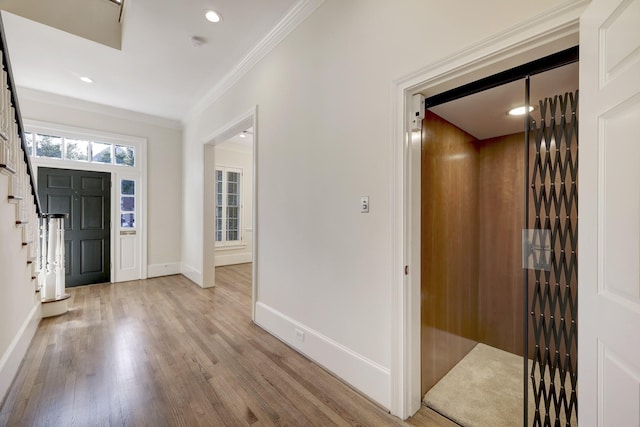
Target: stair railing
(15, 162)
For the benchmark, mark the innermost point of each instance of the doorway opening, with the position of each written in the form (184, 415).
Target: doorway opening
(230, 204)
(498, 313)
(234, 199)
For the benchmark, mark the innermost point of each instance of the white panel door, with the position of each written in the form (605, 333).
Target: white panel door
(609, 245)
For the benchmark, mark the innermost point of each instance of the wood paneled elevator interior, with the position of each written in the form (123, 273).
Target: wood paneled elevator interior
(472, 216)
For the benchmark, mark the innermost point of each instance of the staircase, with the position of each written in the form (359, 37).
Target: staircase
(20, 307)
(15, 163)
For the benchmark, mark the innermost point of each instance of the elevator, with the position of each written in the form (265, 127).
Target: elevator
(499, 247)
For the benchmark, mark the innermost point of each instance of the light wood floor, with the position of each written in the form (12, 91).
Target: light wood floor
(163, 352)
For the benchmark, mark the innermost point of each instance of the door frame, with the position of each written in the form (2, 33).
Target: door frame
(223, 134)
(117, 172)
(547, 33)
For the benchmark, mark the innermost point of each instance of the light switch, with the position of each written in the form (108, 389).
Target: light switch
(364, 204)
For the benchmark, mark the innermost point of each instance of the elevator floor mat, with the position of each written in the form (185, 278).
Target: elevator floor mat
(483, 390)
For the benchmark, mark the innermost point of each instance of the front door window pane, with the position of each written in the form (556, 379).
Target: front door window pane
(127, 203)
(28, 139)
(128, 220)
(48, 146)
(124, 155)
(101, 152)
(77, 149)
(128, 186)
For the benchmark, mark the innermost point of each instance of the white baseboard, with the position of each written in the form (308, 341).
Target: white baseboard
(192, 274)
(230, 259)
(12, 358)
(166, 269)
(361, 373)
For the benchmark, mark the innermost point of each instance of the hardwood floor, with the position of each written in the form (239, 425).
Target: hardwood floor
(163, 352)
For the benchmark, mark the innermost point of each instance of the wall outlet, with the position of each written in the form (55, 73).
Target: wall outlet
(299, 335)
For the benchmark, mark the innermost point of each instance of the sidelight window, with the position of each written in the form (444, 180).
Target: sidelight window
(127, 203)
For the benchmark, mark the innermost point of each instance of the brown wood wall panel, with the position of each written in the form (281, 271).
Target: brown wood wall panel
(472, 220)
(501, 200)
(449, 247)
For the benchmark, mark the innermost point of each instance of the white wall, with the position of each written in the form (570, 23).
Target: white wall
(232, 154)
(164, 164)
(325, 98)
(19, 304)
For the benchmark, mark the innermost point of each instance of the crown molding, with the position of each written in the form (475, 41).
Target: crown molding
(79, 104)
(567, 12)
(296, 15)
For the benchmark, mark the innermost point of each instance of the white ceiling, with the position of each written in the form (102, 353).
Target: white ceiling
(239, 143)
(483, 114)
(158, 71)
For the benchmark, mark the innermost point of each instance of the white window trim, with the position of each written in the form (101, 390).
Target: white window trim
(100, 140)
(137, 172)
(230, 247)
(233, 244)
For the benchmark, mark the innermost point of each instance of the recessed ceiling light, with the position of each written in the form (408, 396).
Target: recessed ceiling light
(212, 15)
(86, 79)
(243, 135)
(519, 111)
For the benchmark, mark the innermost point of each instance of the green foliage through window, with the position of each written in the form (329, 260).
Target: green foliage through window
(128, 186)
(57, 147)
(48, 146)
(100, 152)
(124, 155)
(29, 142)
(77, 150)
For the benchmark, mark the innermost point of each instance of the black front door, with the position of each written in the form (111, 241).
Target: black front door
(86, 197)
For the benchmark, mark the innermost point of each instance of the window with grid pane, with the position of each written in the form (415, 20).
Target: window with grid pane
(128, 203)
(228, 205)
(81, 150)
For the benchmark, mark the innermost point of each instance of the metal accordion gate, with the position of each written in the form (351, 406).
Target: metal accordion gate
(550, 254)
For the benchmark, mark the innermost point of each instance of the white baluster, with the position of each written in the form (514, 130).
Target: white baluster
(42, 260)
(55, 275)
(33, 224)
(60, 273)
(52, 246)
